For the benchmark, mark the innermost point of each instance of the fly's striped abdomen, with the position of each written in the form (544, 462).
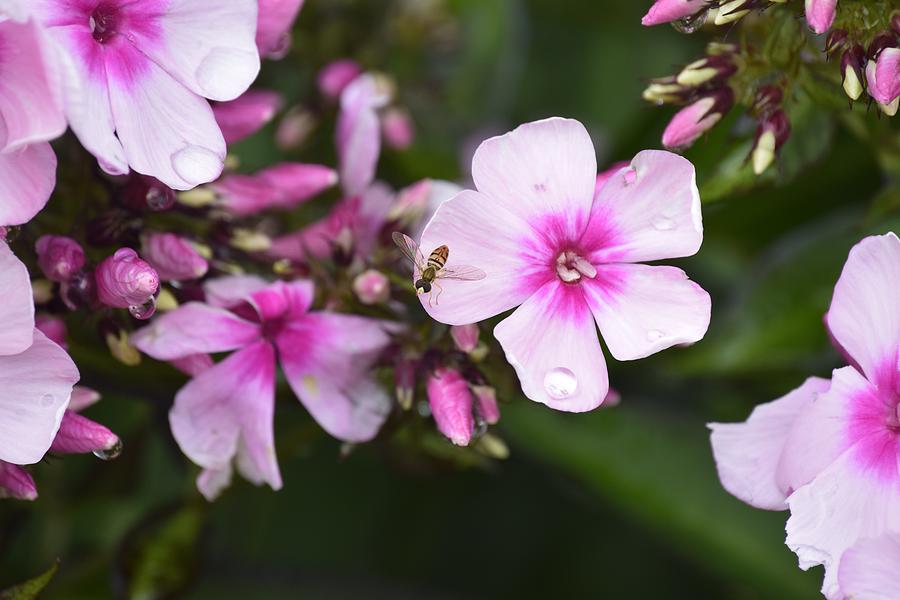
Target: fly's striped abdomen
(438, 258)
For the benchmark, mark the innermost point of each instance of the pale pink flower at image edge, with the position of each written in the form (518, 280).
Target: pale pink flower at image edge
(830, 450)
(567, 259)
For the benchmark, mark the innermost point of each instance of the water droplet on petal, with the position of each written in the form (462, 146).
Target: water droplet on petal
(145, 310)
(47, 400)
(663, 223)
(654, 335)
(109, 453)
(691, 23)
(560, 383)
(481, 427)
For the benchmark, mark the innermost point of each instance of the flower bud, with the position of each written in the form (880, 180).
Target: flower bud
(125, 281)
(173, 257)
(42, 291)
(294, 128)
(710, 69)
(733, 10)
(372, 287)
(146, 193)
(695, 119)
(852, 63)
(883, 79)
(119, 343)
(665, 90)
(79, 291)
(248, 113)
(281, 186)
(895, 21)
(398, 128)
(83, 397)
(337, 75)
(405, 381)
(666, 11)
(719, 48)
(248, 240)
(768, 98)
(59, 257)
(16, 482)
(836, 40)
(465, 337)
(771, 134)
(451, 405)
(53, 327)
(486, 403)
(820, 14)
(493, 446)
(80, 435)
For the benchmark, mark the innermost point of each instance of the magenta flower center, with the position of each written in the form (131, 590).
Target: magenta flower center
(571, 267)
(104, 22)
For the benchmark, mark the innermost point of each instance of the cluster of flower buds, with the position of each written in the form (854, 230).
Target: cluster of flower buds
(874, 69)
(689, 15)
(703, 87)
(461, 410)
(773, 127)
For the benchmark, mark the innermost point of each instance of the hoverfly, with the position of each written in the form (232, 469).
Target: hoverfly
(428, 272)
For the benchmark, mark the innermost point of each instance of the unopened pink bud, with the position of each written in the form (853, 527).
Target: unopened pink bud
(16, 482)
(294, 128)
(451, 405)
(694, 120)
(247, 114)
(173, 257)
(283, 186)
(486, 403)
(79, 435)
(53, 327)
(820, 14)
(465, 337)
(398, 128)
(337, 75)
(124, 280)
(372, 287)
(273, 27)
(666, 11)
(59, 257)
(82, 397)
(883, 76)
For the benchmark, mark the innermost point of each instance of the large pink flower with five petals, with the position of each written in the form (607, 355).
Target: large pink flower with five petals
(137, 75)
(568, 259)
(830, 451)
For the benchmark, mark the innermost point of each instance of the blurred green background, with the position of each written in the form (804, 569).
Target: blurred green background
(619, 503)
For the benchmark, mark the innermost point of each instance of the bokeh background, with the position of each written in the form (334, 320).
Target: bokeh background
(622, 502)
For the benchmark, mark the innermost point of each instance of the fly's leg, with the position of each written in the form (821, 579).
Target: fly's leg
(440, 289)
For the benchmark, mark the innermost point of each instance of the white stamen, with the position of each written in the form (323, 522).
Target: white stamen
(570, 267)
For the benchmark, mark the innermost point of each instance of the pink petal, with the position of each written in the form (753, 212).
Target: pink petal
(887, 72)
(604, 176)
(820, 14)
(283, 186)
(212, 482)
(79, 435)
(173, 257)
(193, 364)
(209, 46)
(17, 10)
(551, 341)
(166, 130)
(16, 482)
(35, 387)
(840, 507)
(30, 102)
(542, 167)
(868, 570)
(484, 233)
(16, 304)
(194, 328)
(863, 316)
(326, 358)
(337, 75)
(359, 133)
(232, 290)
(642, 309)
(652, 209)
(747, 453)
(27, 178)
(276, 18)
(283, 300)
(83, 397)
(664, 11)
(228, 406)
(242, 117)
(820, 433)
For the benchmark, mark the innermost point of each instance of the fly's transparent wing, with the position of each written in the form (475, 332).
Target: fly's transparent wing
(410, 250)
(462, 273)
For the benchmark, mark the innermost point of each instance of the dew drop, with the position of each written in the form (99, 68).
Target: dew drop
(560, 383)
(654, 335)
(423, 409)
(691, 23)
(47, 400)
(145, 310)
(109, 453)
(663, 223)
(481, 427)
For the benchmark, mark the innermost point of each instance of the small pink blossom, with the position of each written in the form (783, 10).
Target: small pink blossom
(137, 76)
(16, 483)
(36, 375)
(465, 337)
(251, 111)
(665, 11)
(451, 405)
(372, 287)
(569, 260)
(282, 186)
(359, 131)
(829, 450)
(124, 280)
(273, 31)
(225, 413)
(173, 257)
(59, 257)
(820, 14)
(337, 75)
(398, 128)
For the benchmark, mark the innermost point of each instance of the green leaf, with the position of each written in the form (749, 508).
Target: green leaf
(31, 589)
